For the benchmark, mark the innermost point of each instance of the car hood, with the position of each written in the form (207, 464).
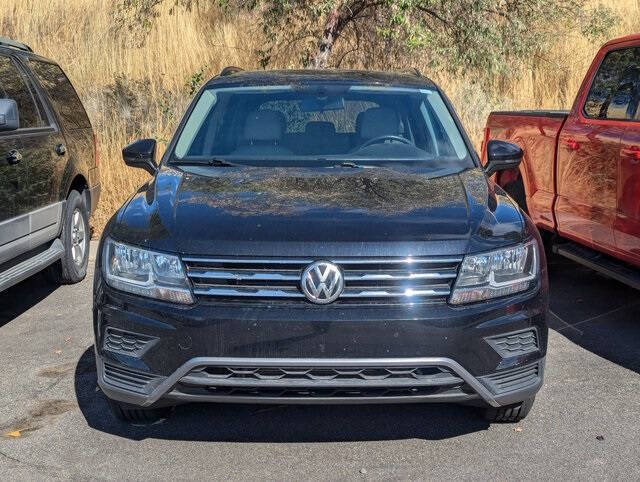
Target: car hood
(317, 211)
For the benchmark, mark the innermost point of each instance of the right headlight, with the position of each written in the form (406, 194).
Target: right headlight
(496, 273)
(146, 273)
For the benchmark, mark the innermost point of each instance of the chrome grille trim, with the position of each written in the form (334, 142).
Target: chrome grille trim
(249, 292)
(295, 276)
(293, 293)
(402, 278)
(439, 274)
(407, 260)
(243, 275)
(443, 291)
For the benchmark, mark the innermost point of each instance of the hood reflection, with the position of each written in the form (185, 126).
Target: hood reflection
(293, 192)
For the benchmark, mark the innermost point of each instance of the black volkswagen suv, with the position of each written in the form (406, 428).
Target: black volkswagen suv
(49, 182)
(320, 237)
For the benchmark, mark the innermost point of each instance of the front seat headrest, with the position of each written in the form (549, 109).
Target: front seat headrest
(318, 128)
(379, 121)
(264, 126)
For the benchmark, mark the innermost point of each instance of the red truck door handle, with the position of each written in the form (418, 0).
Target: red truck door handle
(573, 145)
(634, 154)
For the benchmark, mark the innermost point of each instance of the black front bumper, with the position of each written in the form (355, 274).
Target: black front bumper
(151, 353)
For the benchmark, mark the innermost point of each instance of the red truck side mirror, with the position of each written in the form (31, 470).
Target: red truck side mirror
(502, 155)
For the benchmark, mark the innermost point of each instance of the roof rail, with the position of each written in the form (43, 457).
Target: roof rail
(411, 71)
(7, 42)
(230, 70)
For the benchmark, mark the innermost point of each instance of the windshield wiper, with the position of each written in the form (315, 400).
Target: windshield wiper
(214, 162)
(348, 164)
(353, 165)
(221, 163)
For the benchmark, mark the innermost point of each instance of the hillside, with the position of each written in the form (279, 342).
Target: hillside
(136, 84)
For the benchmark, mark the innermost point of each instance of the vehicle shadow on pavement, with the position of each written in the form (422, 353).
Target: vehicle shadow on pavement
(599, 314)
(279, 423)
(22, 297)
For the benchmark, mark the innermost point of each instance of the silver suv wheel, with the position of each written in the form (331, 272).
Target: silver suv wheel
(78, 237)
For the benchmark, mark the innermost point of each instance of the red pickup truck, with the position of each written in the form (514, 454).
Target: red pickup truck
(579, 179)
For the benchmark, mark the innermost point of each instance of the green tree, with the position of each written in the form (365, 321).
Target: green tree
(458, 34)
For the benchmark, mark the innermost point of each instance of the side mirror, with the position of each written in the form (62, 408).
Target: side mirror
(9, 117)
(141, 154)
(502, 155)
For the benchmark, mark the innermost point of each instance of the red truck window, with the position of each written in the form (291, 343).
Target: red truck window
(614, 93)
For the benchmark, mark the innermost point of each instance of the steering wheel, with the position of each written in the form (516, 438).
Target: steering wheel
(384, 138)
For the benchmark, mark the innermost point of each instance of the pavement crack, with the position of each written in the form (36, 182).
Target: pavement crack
(3, 454)
(607, 313)
(566, 325)
(43, 469)
(52, 384)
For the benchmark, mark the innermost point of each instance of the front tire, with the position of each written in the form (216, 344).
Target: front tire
(510, 413)
(72, 268)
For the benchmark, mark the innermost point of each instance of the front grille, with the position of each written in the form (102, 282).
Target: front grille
(305, 393)
(318, 382)
(126, 343)
(365, 279)
(128, 379)
(514, 379)
(311, 375)
(515, 344)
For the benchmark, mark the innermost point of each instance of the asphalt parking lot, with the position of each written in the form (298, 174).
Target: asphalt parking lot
(54, 422)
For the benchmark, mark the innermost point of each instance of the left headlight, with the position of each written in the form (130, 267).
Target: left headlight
(145, 273)
(497, 273)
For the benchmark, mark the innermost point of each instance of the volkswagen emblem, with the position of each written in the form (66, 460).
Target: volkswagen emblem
(322, 282)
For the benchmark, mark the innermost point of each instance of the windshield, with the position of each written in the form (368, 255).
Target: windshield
(300, 125)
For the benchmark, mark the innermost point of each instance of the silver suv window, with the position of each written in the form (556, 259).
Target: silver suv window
(14, 85)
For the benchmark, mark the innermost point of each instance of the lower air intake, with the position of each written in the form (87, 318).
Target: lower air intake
(324, 392)
(515, 344)
(514, 379)
(319, 382)
(127, 343)
(127, 379)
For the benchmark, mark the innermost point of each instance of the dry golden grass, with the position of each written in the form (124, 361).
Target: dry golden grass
(134, 89)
